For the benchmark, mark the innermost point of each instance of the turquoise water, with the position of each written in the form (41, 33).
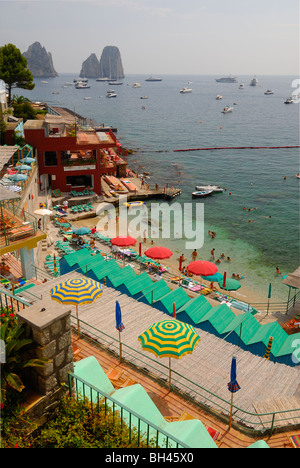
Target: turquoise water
(255, 178)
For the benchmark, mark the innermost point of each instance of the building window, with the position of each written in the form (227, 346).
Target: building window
(50, 158)
(80, 181)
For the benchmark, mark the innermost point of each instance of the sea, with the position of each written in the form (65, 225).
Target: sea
(257, 241)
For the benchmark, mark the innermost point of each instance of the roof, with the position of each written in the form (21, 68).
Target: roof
(6, 152)
(6, 194)
(34, 124)
(293, 279)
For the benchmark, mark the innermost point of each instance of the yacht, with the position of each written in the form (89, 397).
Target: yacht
(151, 78)
(227, 79)
(136, 85)
(269, 91)
(227, 109)
(81, 85)
(111, 93)
(254, 81)
(117, 83)
(242, 86)
(219, 97)
(186, 90)
(289, 101)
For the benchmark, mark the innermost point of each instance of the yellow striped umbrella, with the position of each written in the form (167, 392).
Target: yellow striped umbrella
(76, 292)
(170, 338)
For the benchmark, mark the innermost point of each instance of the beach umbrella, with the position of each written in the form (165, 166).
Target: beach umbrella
(17, 177)
(233, 386)
(170, 338)
(267, 355)
(43, 212)
(123, 241)
(119, 326)
(158, 253)
(82, 230)
(202, 268)
(27, 160)
(216, 277)
(23, 167)
(229, 284)
(76, 292)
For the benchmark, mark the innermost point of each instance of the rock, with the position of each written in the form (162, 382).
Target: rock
(39, 61)
(90, 67)
(111, 63)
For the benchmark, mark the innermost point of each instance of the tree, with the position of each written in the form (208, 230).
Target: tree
(13, 69)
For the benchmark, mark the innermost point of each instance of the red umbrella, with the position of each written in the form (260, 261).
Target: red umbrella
(158, 253)
(123, 241)
(202, 268)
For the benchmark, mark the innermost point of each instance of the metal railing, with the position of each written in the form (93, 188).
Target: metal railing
(153, 435)
(211, 402)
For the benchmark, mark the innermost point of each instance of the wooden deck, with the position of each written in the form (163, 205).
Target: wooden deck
(173, 406)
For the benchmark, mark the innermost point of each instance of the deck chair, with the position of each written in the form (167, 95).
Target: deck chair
(295, 440)
(114, 374)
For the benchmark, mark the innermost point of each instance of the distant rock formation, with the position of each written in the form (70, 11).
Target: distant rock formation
(90, 67)
(39, 61)
(110, 65)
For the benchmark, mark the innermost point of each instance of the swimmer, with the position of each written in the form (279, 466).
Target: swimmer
(213, 235)
(236, 276)
(218, 261)
(278, 271)
(222, 255)
(229, 259)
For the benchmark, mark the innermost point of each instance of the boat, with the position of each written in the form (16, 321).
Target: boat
(151, 78)
(254, 82)
(102, 79)
(227, 109)
(227, 79)
(144, 97)
(117, 83)
(81, 85)
(289, 101)
(242, 86)
(214, 188)
(87, 98)
(269, 91)
(136, 85)
(219, 97)
(202, 193)
(111, 93)
(186, 90)
(135, 203)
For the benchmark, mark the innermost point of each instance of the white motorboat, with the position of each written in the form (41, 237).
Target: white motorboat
(219, 97)
(111, 94)
(186, 90)
(269, 91)
(202, 193)
(144, 97)
(289, 101)
(254, 81)
(87, 98)
(136, 85)
(214, 188)
(81, 85)
(242, 86)
(227, 109)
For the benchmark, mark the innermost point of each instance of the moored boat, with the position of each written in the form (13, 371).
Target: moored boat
(254, 81)
(269, 91)
(186, 90)
(214, 188)
(227, 109)
(219, 97)
(202, 193)
(289, 101)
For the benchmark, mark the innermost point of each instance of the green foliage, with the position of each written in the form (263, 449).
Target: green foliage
(13, 69)
(77, 424)
(23, 108)
(16, 345)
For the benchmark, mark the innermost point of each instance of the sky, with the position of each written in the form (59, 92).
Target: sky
(157, 37)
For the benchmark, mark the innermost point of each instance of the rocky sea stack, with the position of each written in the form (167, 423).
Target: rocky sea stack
(39, 61)
(110, 65)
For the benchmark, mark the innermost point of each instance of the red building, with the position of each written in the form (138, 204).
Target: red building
(70, 158)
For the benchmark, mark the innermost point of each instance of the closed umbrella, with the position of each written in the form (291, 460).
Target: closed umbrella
(202, 268)
(233, 386)
(119, 326)
(76, 292)
(170, 338)
(159, 253)
(82, 230)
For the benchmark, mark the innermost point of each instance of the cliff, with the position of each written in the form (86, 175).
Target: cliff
(90, 67)
(39, 61)
(110, 65)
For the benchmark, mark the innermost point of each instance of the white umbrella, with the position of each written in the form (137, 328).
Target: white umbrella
(43, 212)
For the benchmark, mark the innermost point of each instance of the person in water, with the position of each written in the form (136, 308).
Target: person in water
(278, 271)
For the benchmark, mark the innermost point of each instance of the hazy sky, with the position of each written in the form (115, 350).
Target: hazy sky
(219, 37)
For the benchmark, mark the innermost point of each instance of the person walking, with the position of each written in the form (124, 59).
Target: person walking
(194, 255)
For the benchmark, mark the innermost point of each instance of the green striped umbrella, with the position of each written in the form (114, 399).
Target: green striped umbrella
(170, 338)
(76, 292)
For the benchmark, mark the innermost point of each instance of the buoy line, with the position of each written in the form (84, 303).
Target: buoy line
(237, 148)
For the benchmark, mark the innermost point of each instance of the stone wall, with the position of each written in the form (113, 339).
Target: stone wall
(48, 323)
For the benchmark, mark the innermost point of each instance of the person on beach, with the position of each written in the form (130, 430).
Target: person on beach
(194, 255)
(93, 230)
(278, 271)
(212, 253)
(40, 223)
(213, 235)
